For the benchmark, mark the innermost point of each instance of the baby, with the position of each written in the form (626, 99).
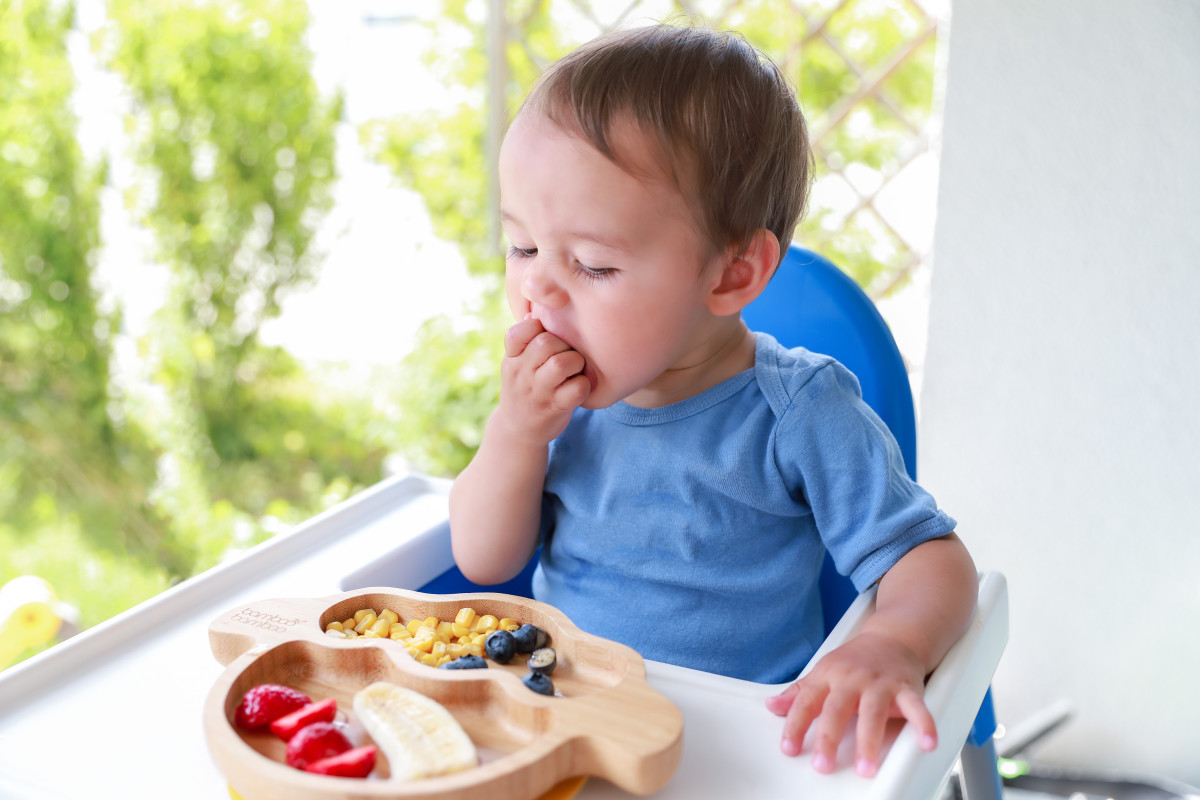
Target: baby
(683, 474)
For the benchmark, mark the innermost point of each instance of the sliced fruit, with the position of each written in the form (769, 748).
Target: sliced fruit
(321, 711)
(266, 703)
(315, 742)
(354, 763)
(543, 661)
(420, 738)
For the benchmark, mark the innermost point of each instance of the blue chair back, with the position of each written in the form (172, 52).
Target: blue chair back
(811, 303)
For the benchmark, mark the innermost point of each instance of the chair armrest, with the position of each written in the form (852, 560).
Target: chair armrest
(953, 692)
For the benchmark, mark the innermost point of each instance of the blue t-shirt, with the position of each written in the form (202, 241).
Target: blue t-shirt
(695, 532)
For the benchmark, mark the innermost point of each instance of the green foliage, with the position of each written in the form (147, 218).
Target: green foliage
(442, 158)
(447, 388)
(63, 454)
(238, 155)
(111, 489)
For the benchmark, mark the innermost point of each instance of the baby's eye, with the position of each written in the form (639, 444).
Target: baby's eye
(594, 273)
(521, 252)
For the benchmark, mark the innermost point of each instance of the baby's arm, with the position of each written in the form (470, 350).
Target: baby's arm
(495, 504)
(923, 606)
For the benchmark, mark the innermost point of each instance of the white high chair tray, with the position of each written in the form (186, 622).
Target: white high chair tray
(117, 710)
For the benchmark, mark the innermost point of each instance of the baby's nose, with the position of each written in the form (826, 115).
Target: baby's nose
(540, 288)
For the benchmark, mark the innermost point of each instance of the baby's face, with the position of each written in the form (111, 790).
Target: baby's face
(610, 262)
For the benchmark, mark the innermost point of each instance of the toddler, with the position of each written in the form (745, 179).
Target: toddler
(683, 474)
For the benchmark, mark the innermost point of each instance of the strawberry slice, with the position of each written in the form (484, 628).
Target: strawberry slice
(315, 742)
(321, 711)
(266, 703)
(355, 763)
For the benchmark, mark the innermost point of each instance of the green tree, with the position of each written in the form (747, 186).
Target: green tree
(73, 507)
(238, 154)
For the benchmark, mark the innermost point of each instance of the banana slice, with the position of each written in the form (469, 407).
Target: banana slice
(418, 735)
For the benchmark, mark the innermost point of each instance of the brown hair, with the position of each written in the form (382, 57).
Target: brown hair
(722, 114)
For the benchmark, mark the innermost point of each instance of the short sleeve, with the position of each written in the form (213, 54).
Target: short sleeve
(839, 458)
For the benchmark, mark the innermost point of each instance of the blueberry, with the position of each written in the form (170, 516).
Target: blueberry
(543, 660)
(539, 683)
(500, 646)
(466, 662)
(529, 638)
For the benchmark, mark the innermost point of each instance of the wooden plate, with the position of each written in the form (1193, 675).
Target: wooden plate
(606, 721)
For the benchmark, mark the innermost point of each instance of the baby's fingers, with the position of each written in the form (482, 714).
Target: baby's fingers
(873, 713)
(806, 703)
(779, 704)
(518, 336)
(558, 367)
(912, 707)
(831, 728)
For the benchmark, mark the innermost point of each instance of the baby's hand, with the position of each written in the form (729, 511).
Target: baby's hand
(541, 382)
(872, 675)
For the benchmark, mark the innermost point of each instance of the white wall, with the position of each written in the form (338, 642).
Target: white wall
(1060, 415)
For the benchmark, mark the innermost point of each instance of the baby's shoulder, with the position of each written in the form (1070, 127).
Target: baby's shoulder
(787, 375)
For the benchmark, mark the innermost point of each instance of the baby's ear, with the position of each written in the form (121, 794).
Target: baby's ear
(747, 268)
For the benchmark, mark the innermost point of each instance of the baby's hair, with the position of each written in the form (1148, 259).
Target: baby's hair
(724, 118)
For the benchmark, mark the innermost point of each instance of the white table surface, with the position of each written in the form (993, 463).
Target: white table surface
(116, 711)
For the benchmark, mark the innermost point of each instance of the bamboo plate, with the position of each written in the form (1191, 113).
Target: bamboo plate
(606, 722)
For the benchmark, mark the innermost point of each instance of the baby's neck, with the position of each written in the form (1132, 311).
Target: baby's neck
(725, 353)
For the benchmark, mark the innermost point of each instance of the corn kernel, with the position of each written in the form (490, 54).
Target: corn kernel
(431, 622)
(444, 631)
(472, 650)
(465, 617)
(370, 633)
(459, 630)
(366, 622)
(334, 626)
(349, 622)
(381, 626)
(413, 626)
(508, 624)
(389, 615)
(438, 649)
(455, 649)
(398, 629)
(362, 612)
(423, 643)
(478, 638)
(336, 634)
(430, 659)
(396, 637)
(486, 623)
(443, 660)
(351, 633)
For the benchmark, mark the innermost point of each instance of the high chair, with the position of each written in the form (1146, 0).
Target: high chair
(811, 303)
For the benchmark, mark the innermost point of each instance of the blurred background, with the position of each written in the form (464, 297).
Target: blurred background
(249, 266)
